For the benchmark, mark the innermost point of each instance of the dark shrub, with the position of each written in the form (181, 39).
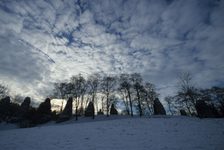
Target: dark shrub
(183, 112)
(158, 108)
(89, 110)
(205, 110)
(113, 110)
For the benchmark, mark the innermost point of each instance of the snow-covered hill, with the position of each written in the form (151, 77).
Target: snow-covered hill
(174, 133)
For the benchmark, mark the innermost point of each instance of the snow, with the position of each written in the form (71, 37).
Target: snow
(120, 133)
(7, 126)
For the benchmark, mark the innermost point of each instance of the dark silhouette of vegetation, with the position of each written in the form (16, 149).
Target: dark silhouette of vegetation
(113, 110)
(183, 112)
(90, 110)
(187, 93)
(158, 108)
(93, 84)
(86, 95)
(44, 111)
(206, 110)
(137, 86)
(193, 101)
(3, 91)
(108, 86)
(125, 85)
(149, 96)
(168, 100)
(66, 114)
(106, 90)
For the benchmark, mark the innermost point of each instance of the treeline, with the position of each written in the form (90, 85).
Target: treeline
(193, 101)
(90, 96)
(136, 95)
(100, 95)
(140, 97)
(24, 114)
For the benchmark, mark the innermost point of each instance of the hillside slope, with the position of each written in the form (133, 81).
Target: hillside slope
(176, 133)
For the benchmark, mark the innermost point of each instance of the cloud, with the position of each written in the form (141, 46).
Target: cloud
(21, 65)
(47, 41)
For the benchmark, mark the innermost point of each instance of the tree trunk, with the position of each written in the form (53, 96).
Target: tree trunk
(102, 109)
(188, 108)
(82, 109)
(76, 113)
(139, 103)
(93, 97)
(170, 109)
(107, 105)
(129, 97)
(125, 100)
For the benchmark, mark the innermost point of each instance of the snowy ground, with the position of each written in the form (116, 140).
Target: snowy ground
(171, 133)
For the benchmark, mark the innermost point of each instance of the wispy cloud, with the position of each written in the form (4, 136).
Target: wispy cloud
(46, 41)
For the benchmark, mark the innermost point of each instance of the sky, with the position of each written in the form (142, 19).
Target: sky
(47, 41)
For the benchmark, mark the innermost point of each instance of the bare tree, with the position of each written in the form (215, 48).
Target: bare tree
(170, 103)
(76, 87)
(137, 85)
(18, 98)
(93, 83)
(102, 104)
(4, 91)
(125, 84)
(214, 95)
(187, 94)
(124, 95)
(219, 95)
(151, 95)
(60, 90)
(83, 90)
(108, 86)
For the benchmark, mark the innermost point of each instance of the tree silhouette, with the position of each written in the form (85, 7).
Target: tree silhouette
(187, 94)
(108, 86)
(151, 95)
(125, 84)
(93, 83)
(137, 85)
(4, 91)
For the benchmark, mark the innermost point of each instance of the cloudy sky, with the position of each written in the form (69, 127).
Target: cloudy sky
(45, 41)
